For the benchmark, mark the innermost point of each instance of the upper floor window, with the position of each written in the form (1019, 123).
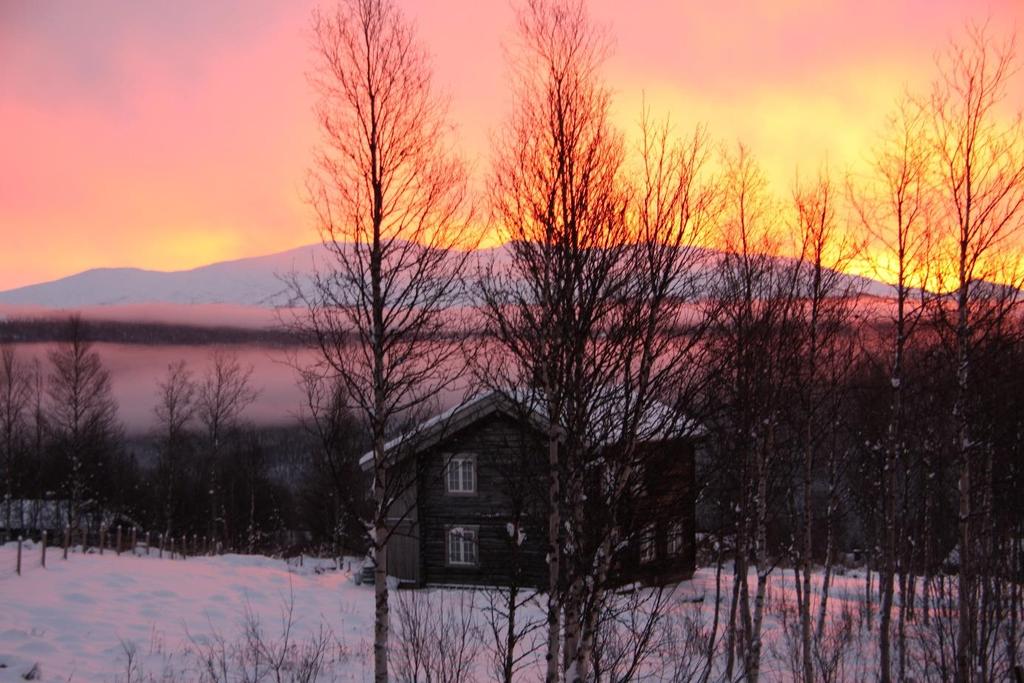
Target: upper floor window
(647, 546)
(461, 474)
(675, 539)
(462, 546)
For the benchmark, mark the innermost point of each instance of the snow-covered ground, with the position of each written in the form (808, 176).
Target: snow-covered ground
(110, 618)
(79, 619)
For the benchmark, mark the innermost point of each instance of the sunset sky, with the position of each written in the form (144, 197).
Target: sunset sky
(169, 135)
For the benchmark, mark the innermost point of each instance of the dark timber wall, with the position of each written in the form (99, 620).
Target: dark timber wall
(511, 469)
(510, 465)
(668, 498)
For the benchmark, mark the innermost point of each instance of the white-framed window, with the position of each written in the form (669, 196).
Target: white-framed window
(647, 547)
(460, 475)
(462, 546)
(675, 539)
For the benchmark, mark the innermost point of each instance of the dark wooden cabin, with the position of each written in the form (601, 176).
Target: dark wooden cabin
(472, 510)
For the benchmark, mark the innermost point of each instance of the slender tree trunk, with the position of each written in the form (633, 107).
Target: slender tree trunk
(572, 602)
(868, 595)
(554, 558)
(739, 607)
(592, 614)
(731, 634)
(892, 458)
(753, 661)
(927, 552)
(905, 581)
(887, 572)
(508, 665)
(807, 561)
(381, 622)
(1013, 627)
(754, 651)
(991, 601)
(966, 610)
(826, 581)
(712, 641)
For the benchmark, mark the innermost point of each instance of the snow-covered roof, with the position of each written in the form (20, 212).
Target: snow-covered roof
(461, 414)
(658, 423)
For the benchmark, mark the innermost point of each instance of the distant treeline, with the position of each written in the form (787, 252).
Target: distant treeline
(204, 469)
(55, 329)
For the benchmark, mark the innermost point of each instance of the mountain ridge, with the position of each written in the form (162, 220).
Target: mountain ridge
(249, 282)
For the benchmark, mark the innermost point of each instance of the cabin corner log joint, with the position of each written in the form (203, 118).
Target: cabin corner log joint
(469, 502)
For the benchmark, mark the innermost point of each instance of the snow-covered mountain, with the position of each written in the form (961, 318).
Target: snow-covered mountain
(249, 282)
(244, 282)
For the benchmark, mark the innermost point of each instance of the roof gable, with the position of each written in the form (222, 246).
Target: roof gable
(432, 431)
(659, 422)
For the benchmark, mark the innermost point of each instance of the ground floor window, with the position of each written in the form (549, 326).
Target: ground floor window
(462, 546)
(647, 547)
(675, 539)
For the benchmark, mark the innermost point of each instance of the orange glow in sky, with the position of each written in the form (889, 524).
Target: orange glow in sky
(170, 135)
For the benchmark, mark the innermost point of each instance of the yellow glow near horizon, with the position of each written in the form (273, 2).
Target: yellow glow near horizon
(131, 140)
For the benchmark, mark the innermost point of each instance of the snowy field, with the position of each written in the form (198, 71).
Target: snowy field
(141, 619)
(80, 620)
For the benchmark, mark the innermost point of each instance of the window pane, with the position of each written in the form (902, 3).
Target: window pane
(462, 546)
(647, 551)
(675, 539)
(461, 475)
(457, 556)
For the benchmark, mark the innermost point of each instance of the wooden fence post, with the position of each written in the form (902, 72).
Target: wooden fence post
(103, 538)
(133, 540)
(118, 549)
(17, 567)
(147, 544)
(172, 547)
(184, 546)
(67, 539)
(43, 558)
(160, 540)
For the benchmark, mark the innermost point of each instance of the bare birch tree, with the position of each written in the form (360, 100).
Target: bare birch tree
(391, 205)
(751, 345)
(893, 204)
(338, 442)
(825, 299)
(175, 410)
(222, 395)
(658, 341)
(82, 419)
(557, 204)
(980, 156)
(589, 301)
